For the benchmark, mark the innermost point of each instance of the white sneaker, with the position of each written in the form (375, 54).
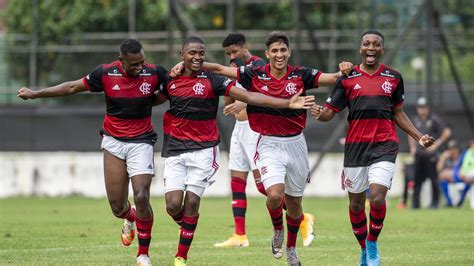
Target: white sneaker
(143, 260)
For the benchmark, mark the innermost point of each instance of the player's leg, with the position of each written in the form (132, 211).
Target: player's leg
(238, 185)
(116, 185)
(189, 223)
(355, 181)
(140, 166)
(380, 180)
(201, 167)
(175, 176)
(294, 217)
(444, 178)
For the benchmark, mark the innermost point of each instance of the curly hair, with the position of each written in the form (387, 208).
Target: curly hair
(276, 36)
(130, 46)
(234, 38)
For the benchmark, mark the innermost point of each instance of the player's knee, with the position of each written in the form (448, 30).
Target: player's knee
(141, 198)
(173, 207)
(377, 200)
(356, 206)
(274, 198)
(117, 207)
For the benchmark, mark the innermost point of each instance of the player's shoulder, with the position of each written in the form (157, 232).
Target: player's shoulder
(257, 61)
(302, 70)
(111, 69)
(390, 72)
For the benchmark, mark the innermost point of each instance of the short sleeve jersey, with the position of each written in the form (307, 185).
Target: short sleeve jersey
(273, 121)
(190, 123)
(371, 100)
(129, 100)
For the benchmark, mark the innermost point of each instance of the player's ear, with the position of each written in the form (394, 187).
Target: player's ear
(267, 55)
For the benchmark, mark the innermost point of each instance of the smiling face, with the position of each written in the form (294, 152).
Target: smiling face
(193, 57)
(133, 63)
(278, 54)
(371, 49)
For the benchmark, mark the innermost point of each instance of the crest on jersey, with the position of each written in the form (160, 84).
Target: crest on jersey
(290, 88)
(387, 87)
(198, 88)
(145, 88)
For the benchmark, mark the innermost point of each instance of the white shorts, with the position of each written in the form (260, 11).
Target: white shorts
(243, 145)
(358, 179)
(191, 171)
(138, 156)
(283, 160)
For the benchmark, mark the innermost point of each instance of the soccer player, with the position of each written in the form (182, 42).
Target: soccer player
(243, 144)
(191, 135)
(374, 94)
(129, 85)
(282, 155)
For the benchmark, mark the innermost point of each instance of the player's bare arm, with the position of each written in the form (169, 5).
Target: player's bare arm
(330, 78)
(63, 89)
(322, 113)
(402, 120)
(234, 107)
(255, 98)
(230, 72)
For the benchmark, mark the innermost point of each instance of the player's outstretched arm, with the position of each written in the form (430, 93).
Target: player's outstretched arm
(230, 72)
(63, 89)
(406, 125)
(322, 113)
(255, 98)
(330, 78)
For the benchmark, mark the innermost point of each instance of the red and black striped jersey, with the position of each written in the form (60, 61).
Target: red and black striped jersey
(190, 123)
(273, 121)
(255, 61)
(371, 100)
(129, 100)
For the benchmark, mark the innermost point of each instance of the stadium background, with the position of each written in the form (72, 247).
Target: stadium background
(47, 42)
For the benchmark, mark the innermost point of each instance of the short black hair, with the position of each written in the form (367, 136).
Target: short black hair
(375, 32)
(130, 46)
(276, 36)
(192, 39)
(234, 38)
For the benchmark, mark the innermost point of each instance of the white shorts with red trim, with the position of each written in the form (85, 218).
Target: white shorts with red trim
(138, 156)
(243, 145)
(358, 179)
(191, 171)
(283, 160)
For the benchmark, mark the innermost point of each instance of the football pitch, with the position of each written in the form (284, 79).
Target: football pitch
(78, 231)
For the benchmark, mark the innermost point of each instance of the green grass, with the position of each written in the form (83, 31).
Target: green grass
(78, 231)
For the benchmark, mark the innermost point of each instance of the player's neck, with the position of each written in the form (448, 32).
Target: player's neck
(189, 73)
(247, 56)
(278, 73)
(370, 69)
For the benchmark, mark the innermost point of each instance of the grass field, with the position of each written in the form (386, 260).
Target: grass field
(78, 231)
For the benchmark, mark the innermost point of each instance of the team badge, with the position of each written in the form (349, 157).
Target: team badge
(291, 88)
(198, 88)
(387, 87)
(145, 88)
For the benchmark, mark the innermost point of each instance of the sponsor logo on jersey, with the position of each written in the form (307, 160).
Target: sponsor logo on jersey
(227, 82)
(116, 87)
(203, 76)
(357, 87)
(386, 73)
(173, 86)
(328, 100)
(145, 88)
(354, 74)
(387, 87)
(264, 88)
(264, 77)
(143, 73)
(314, 72)
(114, 73)
(198, 88)
(291, 88)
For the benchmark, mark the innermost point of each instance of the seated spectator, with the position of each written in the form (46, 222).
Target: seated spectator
(445, 167)
(464, 170)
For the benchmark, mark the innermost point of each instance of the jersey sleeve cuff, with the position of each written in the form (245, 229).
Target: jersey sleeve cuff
(232, 84)
(332, 107)
(84, 80)
(316, 80)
